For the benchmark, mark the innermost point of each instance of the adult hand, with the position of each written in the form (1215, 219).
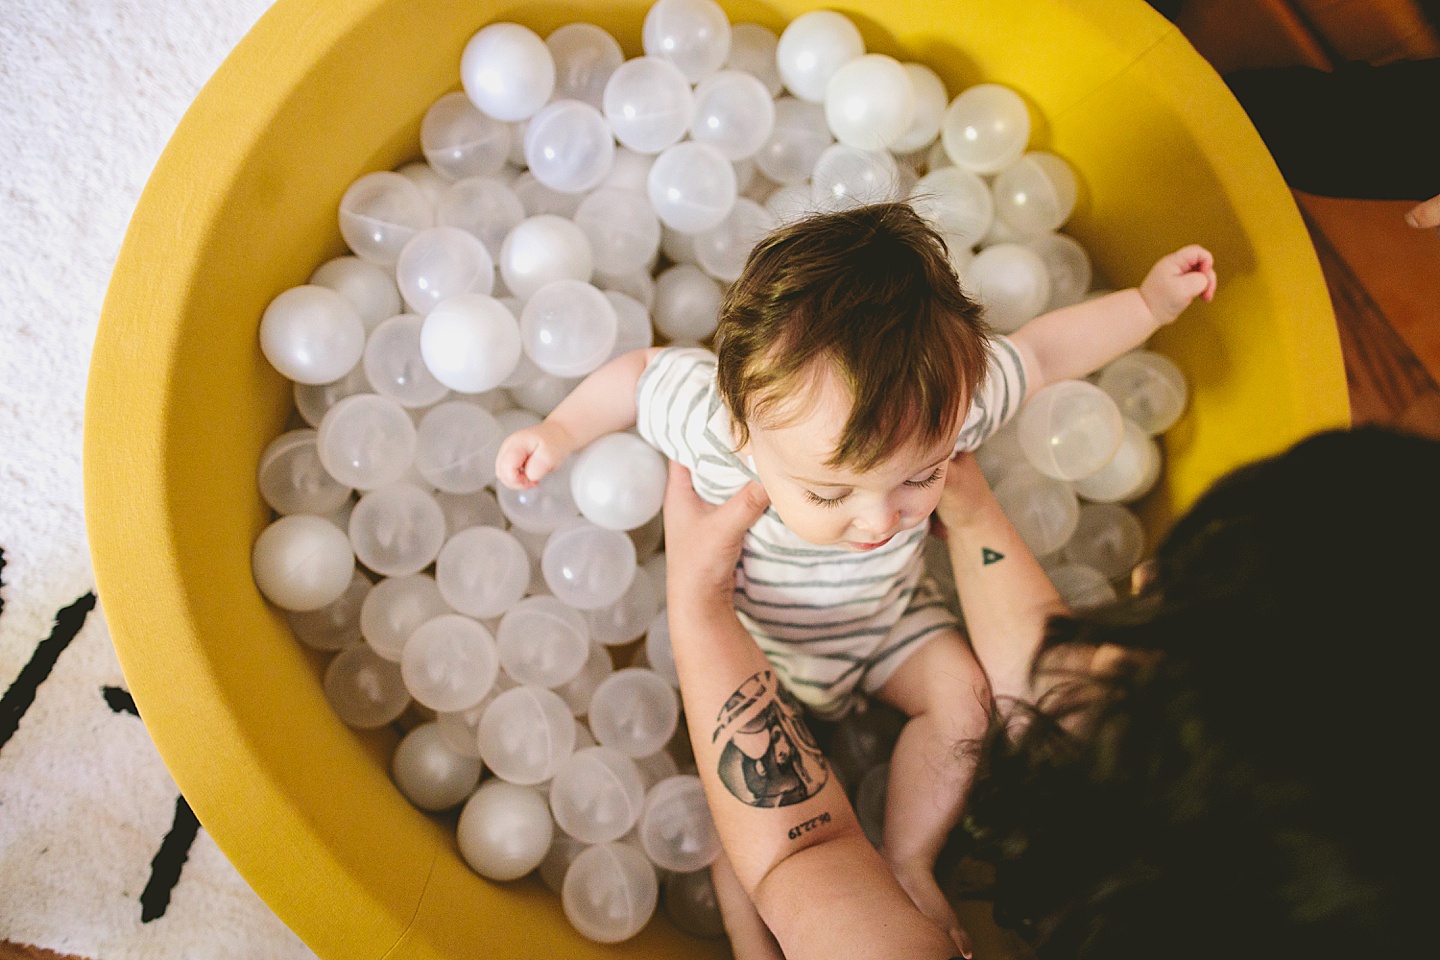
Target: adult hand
(1426, 215)
(702, 542)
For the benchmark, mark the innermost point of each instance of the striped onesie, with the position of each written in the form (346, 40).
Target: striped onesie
(829, 620)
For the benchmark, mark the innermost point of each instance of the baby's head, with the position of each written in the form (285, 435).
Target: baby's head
(847, 353)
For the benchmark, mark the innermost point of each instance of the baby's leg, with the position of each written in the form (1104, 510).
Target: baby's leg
(943, 689)
(750, 938)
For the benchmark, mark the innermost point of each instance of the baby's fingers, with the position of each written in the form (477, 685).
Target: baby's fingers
(512, 463)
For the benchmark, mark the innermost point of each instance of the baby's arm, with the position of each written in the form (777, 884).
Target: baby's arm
(602, 403)
(1073, 341)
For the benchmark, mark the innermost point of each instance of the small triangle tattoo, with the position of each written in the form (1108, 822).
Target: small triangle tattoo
(988, 556)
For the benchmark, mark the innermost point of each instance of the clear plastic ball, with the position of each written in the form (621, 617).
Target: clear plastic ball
(379, 213)
(483, 572)
(470, 343)
(627, 618)
(424, 176)
(846, 177)
(543, 508)
(633, 330)
(622, 229)
(957, 203)
(691, 904)
(507, 71)
(459, 141)
(302, 562)
(870, 102)
(630, 171)
(542, 394)
(313, 401)
(1000, 453)
(1081, 587)
(799, 136)
(312, 334)
(649, 104)
(1011, 283)
(658, 652)
(397, 530)
(676, 246)
(790, 203)
(366, 441)
(430, 774)
(370, 289)
(395, 608)
(543, 249)
(931, 99)
(569, 147)
(635, 711)
(676, 831)
(597, 795)
(1043, 510)
(465, 510)
(1036, 194)
(692, 187)
(1109, 538)
(733, 113)
(1148, 387)
(1130, 474)
(1070, 429)
(449, 663)
(588, 567)
(692, 34)
(292, 479)
(393, 364)
(483, 207)
(335, 625)
(568, 328)
(986, 128)
(752, 51)
(563, 851)
(687, 304)
(610, 892)
(542, 641)
(1069, 268)
(456, 445)
(504, 830)
(443, 262)
(577, 691)
(365, 690)
(812, 47)
(525, 734)
(722, 250)
(585, 57)
(538, 199)
(618, 481)
(656, 767)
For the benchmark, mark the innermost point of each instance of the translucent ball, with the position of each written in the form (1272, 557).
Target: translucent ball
(465, 510)
(543, 394)
(931, 99)
(312, 334)
(1148, 387)
(483, 207)
(610, 892)
(722, 250)
(687, 304)
(597, 795)
(627, 618)
(397, 530)
(812, 47)
(648, 538)
(292, 479)
(1070, 429)
(870, 102)
(632, 324)
(622, 229)
(449, 663)
(459, 141)
(542, 508)
(569, 147)
(366, 441)
(1036, 194)
(1068, 265)
(676, 831)
(538, 199)
(986, 128)
(393, 364)
(752, 51)
(335, 625)
(587, 566)
(692, 34)
(443, 262)
(635, 711)
(1109, 538)
(692, 187)
(395, 608)
(800, 135)
(658, 652)
(1081, 587)
(370, 289)
(456, 445)
(424, 176)
(543, 249)
(676, 246)
(733, 113)
(507, 71)
(303, 562)
(585, 57)
(957, 203)
(691, 904)
(470, 343)
(1000, 232)
(1130, 474)
(568, 328)
(483, 572)
(429, 773)
(1001, 453)
(1043, 510)
(504, 830)
(364, 690)
(563, 851)
(846, 177)
(525, 734)
(790, 203)
(618, 481)
(1011, 283)
(542, 641)
(631, 170)
(379, 213)
(649, 104)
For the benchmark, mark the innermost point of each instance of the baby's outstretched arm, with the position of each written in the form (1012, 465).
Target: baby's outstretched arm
(602, 403)
(1073, 341)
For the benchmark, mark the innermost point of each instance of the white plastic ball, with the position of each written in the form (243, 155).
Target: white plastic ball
(379, 213)
(610, 892)
(424, 176)
(430, 774)
(630, 171)
(449, 663)
(542, 642)
(676, 246)
(465, 510)
(543, 249)
(691, 904)
(931, 99)
(658, 652)
(470, 343)
(542, 394)
(870, 102)
(302, 562)
(563, 851)
(507, 71)
(618, 481)
(504, 830)
(588, 567)
(692, 34)
(366, 441)
(578, 690)
(1011, 283)
(635, 711)
(1109, 538)
(986, 128)
(1043, 510)
(1070, 429)
(956, 203)
(364, 690)
(1130, 474)
(649, 104)
(335, 625)
(456, 445)
(585, 57)
(1148, 387)
(812, 47)
(733, 113)
(633, 330)
(1036, 194)
(568, 328)
(569, 147)
(846, 177)
(395, 608)
(482, 572)
(1081, 587)
(539, 200)
(692, 187)
(790, 203)
(483, 207)
(597, 795)
(687, 304)
(293, 480)
(393, 364)
(1000, 453)
(312, 334)
(676, 831)
(799, 136)
(627, 618)
(525, 734)
(1068, 265)
(723, 250)
(752, 51)
(440, 263)
(459, 141)
(542, 508)
(370, 289)
(622, 229)
(397, 530)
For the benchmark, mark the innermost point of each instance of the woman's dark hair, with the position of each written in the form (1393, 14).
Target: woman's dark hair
(1250, 778)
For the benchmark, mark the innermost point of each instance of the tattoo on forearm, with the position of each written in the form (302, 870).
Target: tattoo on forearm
(988, 556)
(800, 829)
(769, 758)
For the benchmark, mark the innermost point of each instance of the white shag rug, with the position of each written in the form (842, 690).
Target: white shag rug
(99, 856)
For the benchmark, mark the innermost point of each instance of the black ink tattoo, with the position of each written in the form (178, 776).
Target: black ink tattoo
(769, 758)
(800, 829)
(988, 556)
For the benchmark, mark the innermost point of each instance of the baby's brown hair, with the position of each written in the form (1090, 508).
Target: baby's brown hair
(870, 292)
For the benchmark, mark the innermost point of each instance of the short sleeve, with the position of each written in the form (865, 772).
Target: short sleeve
(998, 398)
(680, 413)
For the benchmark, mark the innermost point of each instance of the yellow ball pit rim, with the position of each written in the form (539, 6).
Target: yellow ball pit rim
(242, 205)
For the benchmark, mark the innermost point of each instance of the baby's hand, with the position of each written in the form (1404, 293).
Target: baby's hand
(529, 454)
(1176, 280)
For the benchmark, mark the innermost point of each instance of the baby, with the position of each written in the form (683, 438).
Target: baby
(849, 367)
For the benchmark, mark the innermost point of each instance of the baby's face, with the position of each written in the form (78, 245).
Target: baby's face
(836, 506)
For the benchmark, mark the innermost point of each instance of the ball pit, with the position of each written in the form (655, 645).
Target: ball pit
(302, 805)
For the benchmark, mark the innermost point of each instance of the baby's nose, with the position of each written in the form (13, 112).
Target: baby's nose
(879, 522)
